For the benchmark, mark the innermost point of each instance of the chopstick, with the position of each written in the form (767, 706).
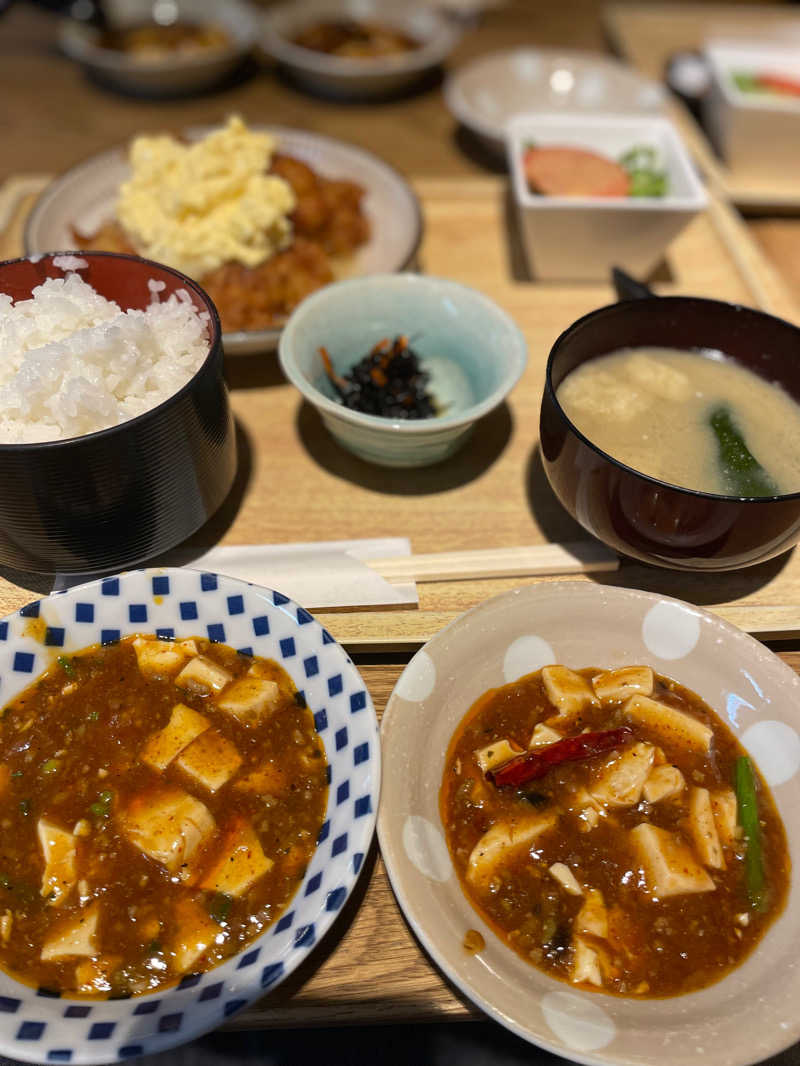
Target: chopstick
(580, 557)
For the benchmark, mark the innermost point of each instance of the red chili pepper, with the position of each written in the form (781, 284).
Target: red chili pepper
(536, 763)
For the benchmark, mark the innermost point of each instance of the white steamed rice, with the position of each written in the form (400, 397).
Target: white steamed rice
(72, 362)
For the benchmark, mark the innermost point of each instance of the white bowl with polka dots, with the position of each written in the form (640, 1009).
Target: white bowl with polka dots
(748, 1015)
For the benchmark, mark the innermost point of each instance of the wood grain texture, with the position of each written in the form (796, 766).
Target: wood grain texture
(494, 493)
(779, 238)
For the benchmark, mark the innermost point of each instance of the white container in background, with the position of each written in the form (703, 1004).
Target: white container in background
(757, 134)
(579, 238)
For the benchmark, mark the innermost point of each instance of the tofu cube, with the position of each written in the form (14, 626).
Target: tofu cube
(195, 932)
(503, 840)
(620, 782)
(159, 658)
(240, 861)
(669, 867)
(592, 918)
(203, 675)
(251, 699)
(613, 685)
(496, 754)
(184, 726)
(59, 850)
(170, 826)
(569, 692)
(585, 964)
(589, 819)
(210, 761)
(664, 381)
(94, 974)
(726, 816)
(566, 878)
(74, 937)
(543, 735)
(664, 783)
(703, 829)
(268, 779)
(668, 724)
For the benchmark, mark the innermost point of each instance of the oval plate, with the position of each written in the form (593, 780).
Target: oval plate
(485, 93)
(85, 196)
(745, 1017)
(40, 1028)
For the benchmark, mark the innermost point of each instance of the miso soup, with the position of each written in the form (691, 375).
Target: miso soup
(694, 419)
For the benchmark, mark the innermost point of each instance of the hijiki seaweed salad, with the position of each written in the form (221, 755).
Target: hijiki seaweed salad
(388, 382)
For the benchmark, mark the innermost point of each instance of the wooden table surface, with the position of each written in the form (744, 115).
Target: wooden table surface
(370, 967)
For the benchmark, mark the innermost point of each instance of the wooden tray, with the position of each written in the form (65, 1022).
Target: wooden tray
(649, 34)
(494, 493)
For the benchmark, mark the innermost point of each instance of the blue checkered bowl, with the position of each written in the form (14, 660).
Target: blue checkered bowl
(37, 1026)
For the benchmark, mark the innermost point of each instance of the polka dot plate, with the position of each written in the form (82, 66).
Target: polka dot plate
(747, 1016)
(38, 1026)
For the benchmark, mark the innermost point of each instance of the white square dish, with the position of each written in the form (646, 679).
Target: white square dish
(757, 134)
(579, 238)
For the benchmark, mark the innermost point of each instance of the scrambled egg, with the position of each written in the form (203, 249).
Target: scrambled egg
(197, 206)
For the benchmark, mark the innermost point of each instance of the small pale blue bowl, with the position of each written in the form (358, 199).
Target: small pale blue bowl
(473, 351)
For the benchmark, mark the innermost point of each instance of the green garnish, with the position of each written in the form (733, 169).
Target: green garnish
(25, 807)
(4, 882)
(17, 773)
(154, 947)
(51, 766)
(648, 183)
(742, 472)
(748, 819)
(220, 907)
(66, 665)
(746, 83)
(93, 716)
(648, 178)
(101, 808)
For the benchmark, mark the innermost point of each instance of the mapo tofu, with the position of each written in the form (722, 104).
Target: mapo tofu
(610, 828)
(160, 802)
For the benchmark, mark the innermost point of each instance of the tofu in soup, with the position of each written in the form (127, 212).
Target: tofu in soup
(162, 802)
(695, 419)
(592, 818)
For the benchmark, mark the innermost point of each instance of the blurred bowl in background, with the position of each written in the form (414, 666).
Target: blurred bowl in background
(472, 349)
(121, 495)
(637, 515)
(753, 121)
(358, 76)
(158, 68)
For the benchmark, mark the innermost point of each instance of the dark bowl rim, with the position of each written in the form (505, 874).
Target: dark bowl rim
(550, 391)
(214, 351)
